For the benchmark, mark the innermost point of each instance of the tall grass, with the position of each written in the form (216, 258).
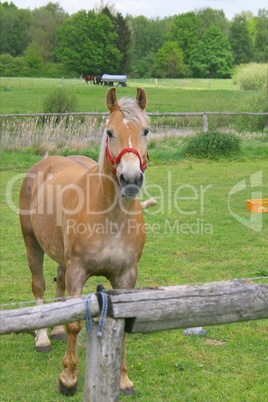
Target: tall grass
(51, 134)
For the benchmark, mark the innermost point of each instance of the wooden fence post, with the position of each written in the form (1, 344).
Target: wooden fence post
(103, 361)
(205, 122)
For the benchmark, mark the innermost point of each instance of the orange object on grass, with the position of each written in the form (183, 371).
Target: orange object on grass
(258, 205)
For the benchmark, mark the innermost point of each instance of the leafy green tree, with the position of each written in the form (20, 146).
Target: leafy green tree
(212, 57)
(14, 25)
(208, 17)
(183, 31)
(86, 42)
(241, 40)
(33, 59)
(169, 61)
(147, 37)
(261, 39)
(13, 66)
(45, 22)
(123, 36)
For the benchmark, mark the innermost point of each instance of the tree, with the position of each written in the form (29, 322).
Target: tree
(241, 40)
(45, 22)
(208, 17)
(123, 40)
(147, 37)
(212, 57)
(183, 31)
(13, 66)
(261, 39)
(169, 61)
(86, 42)
(14, 25)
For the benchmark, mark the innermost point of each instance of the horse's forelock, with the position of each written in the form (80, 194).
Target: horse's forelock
(132, 112)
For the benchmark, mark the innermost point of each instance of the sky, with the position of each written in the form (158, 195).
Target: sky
(152, 8)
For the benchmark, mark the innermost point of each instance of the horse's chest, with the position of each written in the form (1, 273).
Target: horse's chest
(111, 255)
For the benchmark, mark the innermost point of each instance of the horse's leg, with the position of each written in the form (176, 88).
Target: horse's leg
(125, 281)
(75, 280)
(35, 255)
(58, 332)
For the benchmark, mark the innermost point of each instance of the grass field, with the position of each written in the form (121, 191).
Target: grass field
(192, 240)
(199, 231)
(26, 95)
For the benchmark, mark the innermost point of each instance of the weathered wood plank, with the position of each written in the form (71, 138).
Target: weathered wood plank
(149, 310)
(190, 306)
(46, 315)
(103, 362)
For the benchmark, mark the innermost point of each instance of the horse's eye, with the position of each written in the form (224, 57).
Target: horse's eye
(146, 131)
(109, 133)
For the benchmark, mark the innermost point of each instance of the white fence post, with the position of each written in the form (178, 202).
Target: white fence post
(103, 362)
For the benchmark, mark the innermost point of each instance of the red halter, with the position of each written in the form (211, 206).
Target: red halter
(115, 161)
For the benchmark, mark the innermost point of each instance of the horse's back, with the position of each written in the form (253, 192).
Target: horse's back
(83, 160)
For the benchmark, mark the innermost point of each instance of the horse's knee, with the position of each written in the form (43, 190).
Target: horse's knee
(73, 328)
(60, 282)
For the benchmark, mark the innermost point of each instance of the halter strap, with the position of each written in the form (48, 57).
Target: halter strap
(115, 161)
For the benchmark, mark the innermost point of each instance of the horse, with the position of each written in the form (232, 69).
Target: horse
(86, 216)
(87, 78)
(98, 80)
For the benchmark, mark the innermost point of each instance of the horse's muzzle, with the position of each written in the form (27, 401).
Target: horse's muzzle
(129, 186)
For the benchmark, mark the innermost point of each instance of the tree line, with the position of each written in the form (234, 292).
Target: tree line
(47, 41)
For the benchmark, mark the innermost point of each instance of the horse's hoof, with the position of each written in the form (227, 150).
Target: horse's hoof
(128, 391)
(59, 337)
(43, 349)
(67, 391)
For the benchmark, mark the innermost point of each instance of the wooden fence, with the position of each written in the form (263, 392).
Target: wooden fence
(204, 115)
(143, 311)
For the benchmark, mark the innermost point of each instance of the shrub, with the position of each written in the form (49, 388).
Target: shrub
(60, 101)
(251, 76)
(212, 145)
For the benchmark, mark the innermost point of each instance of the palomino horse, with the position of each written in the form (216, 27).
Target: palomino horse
(86, 217)
(87, 78)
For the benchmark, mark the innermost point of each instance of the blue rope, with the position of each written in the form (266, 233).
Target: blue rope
(103, 314)
(104, 308)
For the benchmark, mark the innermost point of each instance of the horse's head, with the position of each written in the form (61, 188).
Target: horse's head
(126, 142)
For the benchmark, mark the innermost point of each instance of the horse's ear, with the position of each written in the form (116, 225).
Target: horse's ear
(141, 98)
(111, 100)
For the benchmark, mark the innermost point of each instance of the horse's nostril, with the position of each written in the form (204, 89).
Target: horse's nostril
(122, 180)
(136, 180)
(140, 180)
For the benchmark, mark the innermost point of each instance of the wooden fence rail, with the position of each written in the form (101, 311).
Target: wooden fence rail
(174, 114)
(144, 311)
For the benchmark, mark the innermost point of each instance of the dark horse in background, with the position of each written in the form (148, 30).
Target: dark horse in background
(88, 78)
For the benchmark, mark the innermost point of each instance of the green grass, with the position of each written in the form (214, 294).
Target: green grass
(192, 238)
(27, 95)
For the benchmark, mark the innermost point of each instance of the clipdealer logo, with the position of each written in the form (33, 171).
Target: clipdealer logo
(254, 222)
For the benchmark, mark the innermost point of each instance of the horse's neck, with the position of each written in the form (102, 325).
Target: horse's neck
(101, 193)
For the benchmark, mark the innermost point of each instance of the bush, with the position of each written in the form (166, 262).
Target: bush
(212, 145)
(251, 76)
(13, 66)
(60, 101)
